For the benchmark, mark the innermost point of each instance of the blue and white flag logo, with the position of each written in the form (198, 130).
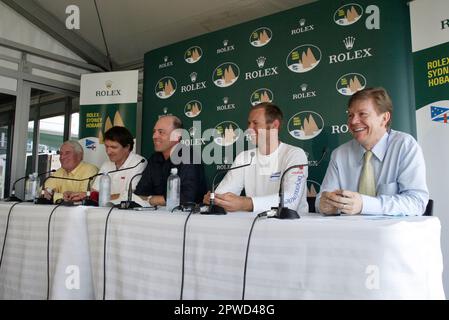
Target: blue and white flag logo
(439, 114)
(91, 144)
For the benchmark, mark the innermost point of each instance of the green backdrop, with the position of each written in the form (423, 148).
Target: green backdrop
(307, 60)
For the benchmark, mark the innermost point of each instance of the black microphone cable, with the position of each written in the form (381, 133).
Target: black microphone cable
(6, 232)
(104, 252)
(194, 209)
(48, 249)
(265, 214)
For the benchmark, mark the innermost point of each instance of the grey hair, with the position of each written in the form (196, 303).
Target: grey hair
(76, 147)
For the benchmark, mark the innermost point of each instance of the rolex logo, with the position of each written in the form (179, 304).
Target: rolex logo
(349, 42)
(225, 43)
(302, 22)
(165, 59)
(225, 100)
(108, 84)
(303, 87)
(261, 61)
(193, 76)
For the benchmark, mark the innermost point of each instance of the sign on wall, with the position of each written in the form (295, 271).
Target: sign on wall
(308, 60)
(430, 44)
(106, 99)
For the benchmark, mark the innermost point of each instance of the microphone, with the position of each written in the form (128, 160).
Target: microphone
(213, 208)
(13, 196)
(284, 212)
(129, 204)
(43, 200)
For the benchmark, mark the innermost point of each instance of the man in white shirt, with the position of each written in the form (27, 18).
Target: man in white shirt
(261, 179)
(119, 144)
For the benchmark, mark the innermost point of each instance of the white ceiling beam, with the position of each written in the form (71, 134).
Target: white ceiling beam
(51, 25)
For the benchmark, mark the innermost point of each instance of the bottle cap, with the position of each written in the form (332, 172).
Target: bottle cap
(174, 171)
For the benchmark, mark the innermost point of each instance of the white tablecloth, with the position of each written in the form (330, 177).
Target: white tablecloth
(315, 257)
(23, 273)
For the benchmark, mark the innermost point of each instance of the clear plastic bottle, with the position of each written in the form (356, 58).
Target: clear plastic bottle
(173, 189)
(32, 186)
(104, 197)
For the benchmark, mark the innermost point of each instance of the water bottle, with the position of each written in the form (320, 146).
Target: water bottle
(173, 189)
(104, 197)
(32, 187)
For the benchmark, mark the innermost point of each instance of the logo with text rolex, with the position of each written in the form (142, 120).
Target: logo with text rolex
(194, 85)
(350, 54)
(303, 27)
(261, 95)
(109, 92)
(228, 133)
(165, 87)
(226, 105)
(226, 74)
(262, 72)
(193, 54)
(166, 63)
(193, 108)
(227, 47)
(304, 92)
(305, 125)
(260, 37)
(195, 138)
(350, 83)
(303, 58)
(348, 14)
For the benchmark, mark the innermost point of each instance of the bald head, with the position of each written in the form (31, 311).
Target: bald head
(165, 135)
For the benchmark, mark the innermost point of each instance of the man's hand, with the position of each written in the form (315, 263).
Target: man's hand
(157, 201)
(74, 196)
(232, 202)
(206, 198)
(115, 196)
(348, 202)
(48, 194)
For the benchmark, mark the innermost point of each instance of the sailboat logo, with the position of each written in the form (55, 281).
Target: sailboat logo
(193, 108)
(193, 54)
(305, 125)
(226, 74)
(261, 95)
(228, 132)
(350, 83)
(303, 58)
(260, 37)
(348, 14)
(165, 87)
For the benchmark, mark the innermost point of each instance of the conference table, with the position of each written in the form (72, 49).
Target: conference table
(162, 255)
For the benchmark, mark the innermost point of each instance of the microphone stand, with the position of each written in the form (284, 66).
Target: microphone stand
(43, 200)
(213, 208)
(284, 212)
(13, 197)
(129, 204)
(88, 201)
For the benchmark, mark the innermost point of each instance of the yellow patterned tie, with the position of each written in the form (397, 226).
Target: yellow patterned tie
(367, 185)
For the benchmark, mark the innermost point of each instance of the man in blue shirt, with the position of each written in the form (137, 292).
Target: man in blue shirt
(380, 171)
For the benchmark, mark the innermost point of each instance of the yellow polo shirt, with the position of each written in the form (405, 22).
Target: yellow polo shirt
(82, 171)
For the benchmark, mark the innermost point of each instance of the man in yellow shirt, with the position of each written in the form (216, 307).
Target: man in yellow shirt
(71, 156)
